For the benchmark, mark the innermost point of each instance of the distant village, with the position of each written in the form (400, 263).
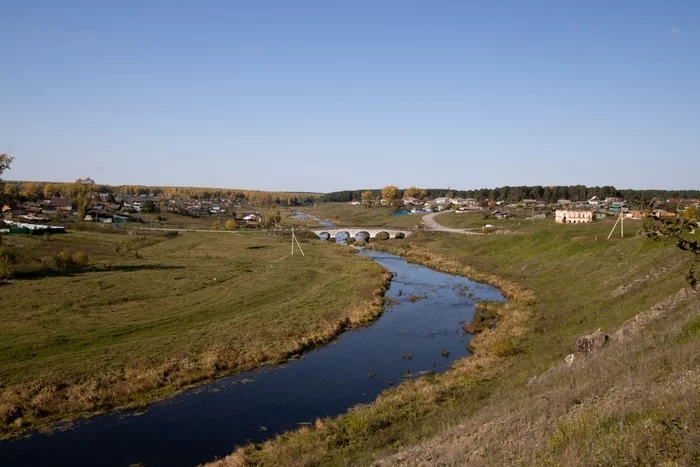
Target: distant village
(564, 211)
(41, 212)
(107, 208)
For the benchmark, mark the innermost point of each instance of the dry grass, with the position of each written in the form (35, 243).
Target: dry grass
(633, 403)
(561, 284)
(130, 329)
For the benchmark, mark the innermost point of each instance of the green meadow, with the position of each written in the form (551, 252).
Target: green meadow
(91, 321)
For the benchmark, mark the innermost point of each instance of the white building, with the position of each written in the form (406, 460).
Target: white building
(565, 216)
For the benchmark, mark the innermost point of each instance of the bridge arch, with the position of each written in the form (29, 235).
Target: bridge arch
(324, 236)
(342, 236)
(362, 235)
(400, 235)
(382, 235)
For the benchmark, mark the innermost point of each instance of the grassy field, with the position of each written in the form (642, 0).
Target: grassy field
(515, 401)
(139, 316)
(471, 220)
(344, 214)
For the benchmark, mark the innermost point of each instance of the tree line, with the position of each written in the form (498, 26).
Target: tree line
(516, 194)
(37, 191)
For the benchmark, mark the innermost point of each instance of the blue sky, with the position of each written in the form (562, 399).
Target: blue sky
(330, 95)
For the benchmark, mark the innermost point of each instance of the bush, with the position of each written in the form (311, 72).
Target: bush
(81, 259)
(6, 268)
(65, 260)
(8, 255)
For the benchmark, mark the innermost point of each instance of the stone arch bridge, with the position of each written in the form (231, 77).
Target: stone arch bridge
(367, 232)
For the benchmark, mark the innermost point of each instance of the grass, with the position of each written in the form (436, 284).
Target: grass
(474, 220)
(514, 401)
(152, 313)
(344, 214)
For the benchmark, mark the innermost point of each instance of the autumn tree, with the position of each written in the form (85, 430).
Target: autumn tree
(390, 193)
(680, 230)
(5, 162)
(51, 190)
(32, 191)
(367, 198)
(414, 192)
(691, 213)
(230, 224)
(272, 218)
(162, 203)
(11, 191)
(81, 191)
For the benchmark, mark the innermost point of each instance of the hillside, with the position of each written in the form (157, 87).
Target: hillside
(515, 400)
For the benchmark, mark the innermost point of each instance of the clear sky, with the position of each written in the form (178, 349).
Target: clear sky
(331, 95)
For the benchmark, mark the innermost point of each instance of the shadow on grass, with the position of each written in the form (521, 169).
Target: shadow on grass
(43, 273)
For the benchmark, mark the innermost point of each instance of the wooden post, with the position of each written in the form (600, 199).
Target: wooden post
(622, 223)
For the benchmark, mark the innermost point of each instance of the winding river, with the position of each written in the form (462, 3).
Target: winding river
(201, 424)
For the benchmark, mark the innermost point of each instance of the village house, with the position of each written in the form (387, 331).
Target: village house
(502, 215)
(663, 213)
(567, 216)
(60, 204)
(412, 201)
(616, 206)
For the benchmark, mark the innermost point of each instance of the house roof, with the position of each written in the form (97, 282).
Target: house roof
(60, 202)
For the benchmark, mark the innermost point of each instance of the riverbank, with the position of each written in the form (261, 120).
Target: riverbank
(567, 283)
(420, 333)
(147, 316)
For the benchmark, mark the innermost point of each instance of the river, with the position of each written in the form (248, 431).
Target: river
(197, 425)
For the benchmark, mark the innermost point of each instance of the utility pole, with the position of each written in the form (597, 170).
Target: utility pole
(622, 225)
(294, 239)
(622, 222)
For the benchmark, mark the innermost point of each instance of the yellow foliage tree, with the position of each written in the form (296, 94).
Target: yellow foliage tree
(51, 190)
(390, 193)
(414, 192)
(81, 191)
(366, 197)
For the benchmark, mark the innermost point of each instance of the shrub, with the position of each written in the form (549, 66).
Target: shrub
(6, 268)
(8, 255)
(81, 259)
(64, 260)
